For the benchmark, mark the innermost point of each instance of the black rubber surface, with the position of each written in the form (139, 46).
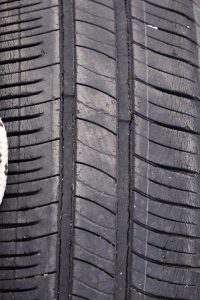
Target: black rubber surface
(100, 99)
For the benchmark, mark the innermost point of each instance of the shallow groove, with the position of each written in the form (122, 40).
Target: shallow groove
(30, 276)
(29, 208)
(90, 70)
(8, 1)
(96, 124)
(93, 265)
(16, 267)
(25, 254)
(19, 7)
(160, 17)
(90, 147)
(19, 47)
(170, 282)
(20, 59)
(105, 5)
(22, 118)
(97, 51)
(20, 83)
(6, 24)
(173, 148)
(35, 144)
(170, 250)
(171, 187)
(178, 58)
(169, 109)
(18, 225)
(92, 188)
(30, 11)
(169, 31)
(94, 233)
(24, 132)
(96, 25)
(91, 287)
(153, 296)
(165, 146)
(19, 31)
(31, 69)
(22, 194)
(29, 105)
(17, 290)
(166, 125)
(78, 8)
(97, 110)
(165, 167)
(173, 203)
(93, 222)
(172, 10)
(95, 88)
(169, 44)
(171, 220)
(154, 261)
(97, 169)
(22, 160)
(175, 75)
(21, 172)
(32, 35)
(34, 180)
(94, 254)
(94, 40)
(168, 91)
(21, 95)
(96, 203)
(27, 239)
(177, 235)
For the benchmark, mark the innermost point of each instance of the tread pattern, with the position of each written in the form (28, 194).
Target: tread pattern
(165, 235)
(140, 90)
(95, 191)
(29, 65)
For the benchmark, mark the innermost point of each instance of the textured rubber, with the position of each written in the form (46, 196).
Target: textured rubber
(100, 99)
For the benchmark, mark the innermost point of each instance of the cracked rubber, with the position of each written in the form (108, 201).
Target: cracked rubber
(100, 100)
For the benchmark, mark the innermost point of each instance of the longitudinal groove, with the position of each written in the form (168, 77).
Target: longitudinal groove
(124, 125)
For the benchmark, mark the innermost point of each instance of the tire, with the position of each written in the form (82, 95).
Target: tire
(100, 100)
